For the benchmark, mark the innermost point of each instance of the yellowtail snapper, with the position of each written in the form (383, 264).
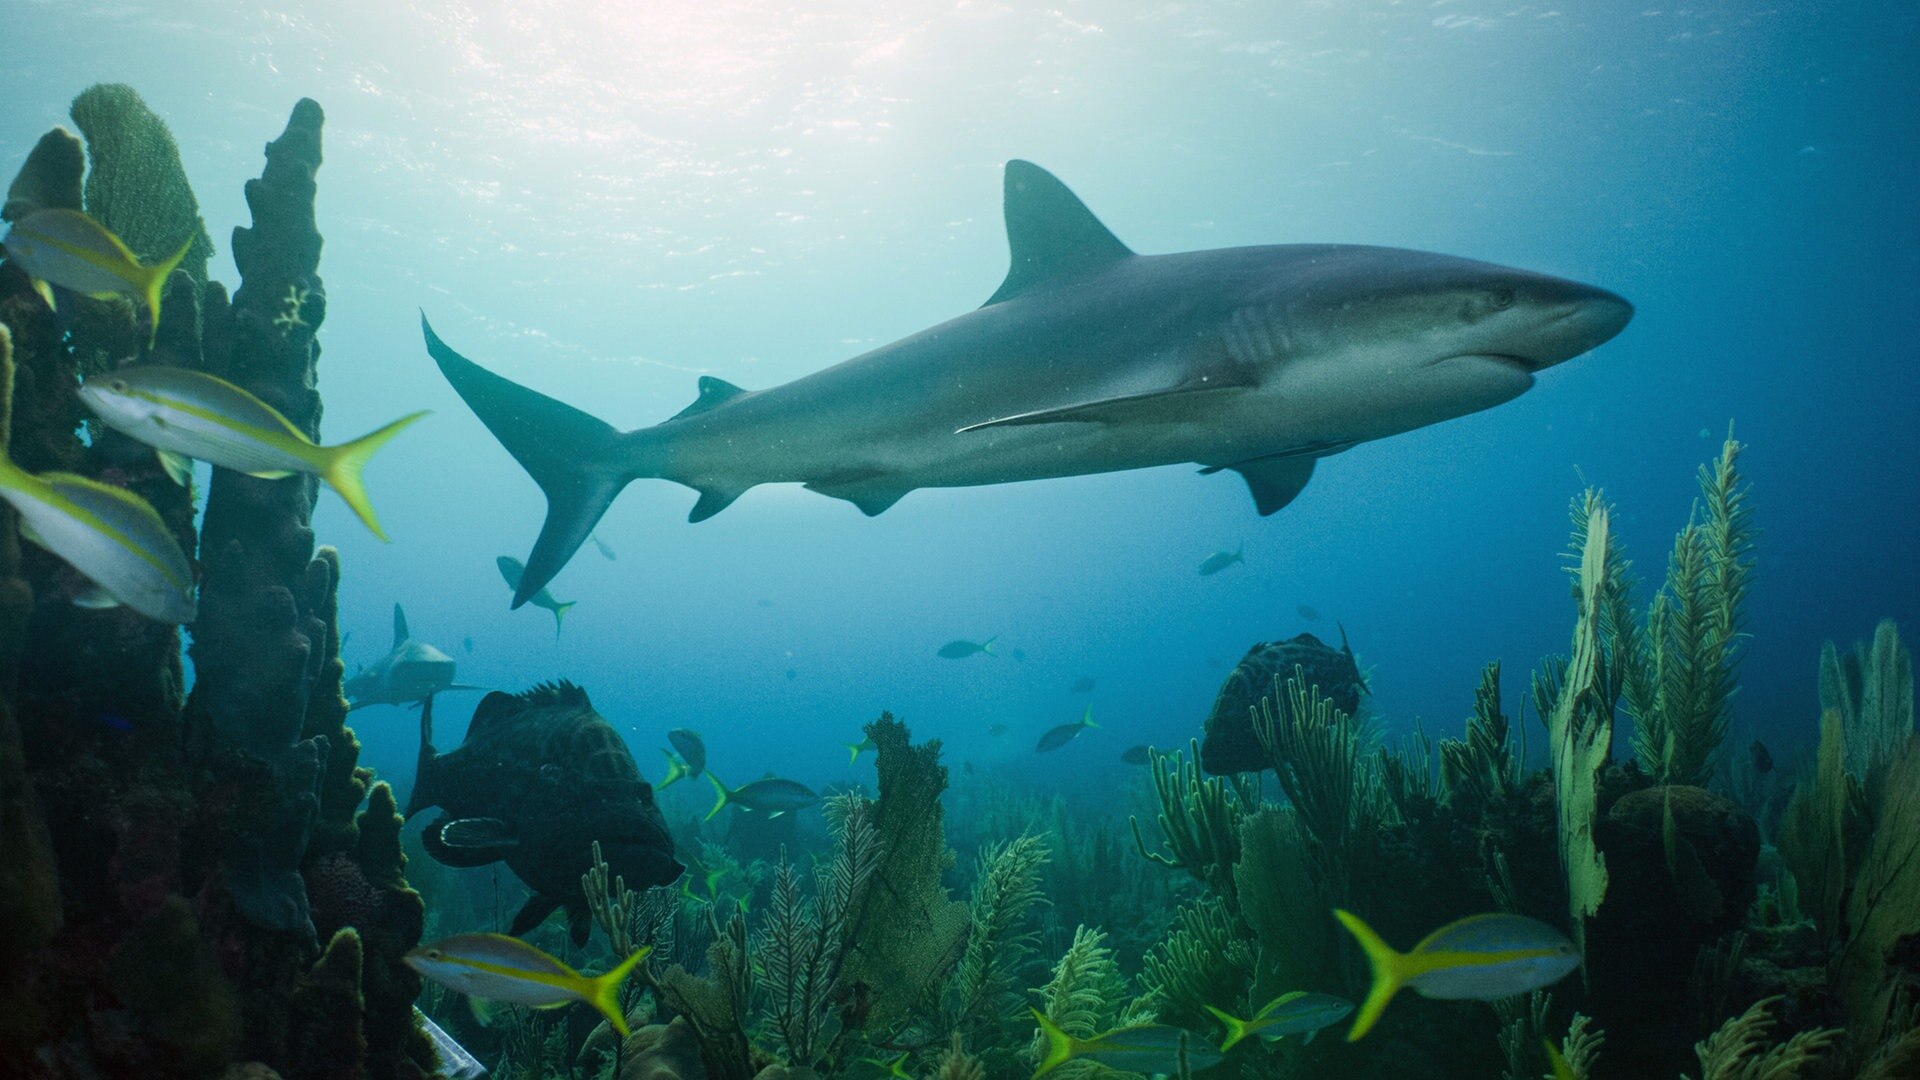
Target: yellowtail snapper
(692, 749)
(1065, 733)
(606, 552)
(676, 771)
(1294, 1013)
(1481, 957)
(1145, 1048)
(108, 534)
(855, 749)
(495, 967)
(770, 795)
(511, 570)
(73, 251)
(190, 415)
(960, 650)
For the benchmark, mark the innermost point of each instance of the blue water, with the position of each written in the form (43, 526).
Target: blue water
(604, 201)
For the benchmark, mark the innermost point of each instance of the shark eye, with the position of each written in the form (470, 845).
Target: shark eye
(1499, 299)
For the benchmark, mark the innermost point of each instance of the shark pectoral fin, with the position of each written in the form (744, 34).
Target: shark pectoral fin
(1275, 481)
(484, 832)
(1115, 409)
(872, 491)
(712, 501)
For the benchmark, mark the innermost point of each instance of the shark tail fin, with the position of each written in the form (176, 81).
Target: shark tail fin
(560, 612)
(581, 463)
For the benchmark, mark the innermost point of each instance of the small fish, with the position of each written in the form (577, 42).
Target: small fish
(467, 643)
(1761, 757)
(855, 749)
(960, 650)
(606, 552)
(1307, 613)
(997, 730)
(1295, 1013)
(792, 674)
(511, 569)
(1019, 656)
(1137, 755)
(1481, 957)
(1144, 1048)
(1219, 561)
(764, 602)
(110, 535)
(496, 967)
(1082, 685)
(771, 796)
(1065, 733)
(895, 1068)
(676, 771)
(967, 765)
(73, 251)
(188, 415)
(691, 748)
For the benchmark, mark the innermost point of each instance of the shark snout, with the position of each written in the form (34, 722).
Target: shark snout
(1569, 319)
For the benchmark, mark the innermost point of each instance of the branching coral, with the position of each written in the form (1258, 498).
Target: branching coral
(1203, 961)
(1199, 821)
(1693, 633)
(1480, 769)
(985, 990)
(1740, 1050)
(1082, 999)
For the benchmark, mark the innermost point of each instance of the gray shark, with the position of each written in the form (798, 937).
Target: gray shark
(413, 671)
(1089, 358)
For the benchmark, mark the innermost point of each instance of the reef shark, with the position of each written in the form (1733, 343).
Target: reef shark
(413, 671)
(1089, 358)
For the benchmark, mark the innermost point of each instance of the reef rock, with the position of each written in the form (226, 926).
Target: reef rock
(662, 1052)
(1230, 745)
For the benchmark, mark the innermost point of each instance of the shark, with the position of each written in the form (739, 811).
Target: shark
(1089, 358)
(411, 672)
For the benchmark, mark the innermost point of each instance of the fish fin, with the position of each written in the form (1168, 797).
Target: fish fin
(483, 1011)
(178, 467)
(872, 491)
(1059, 1044)
(1111, 410)
(400, 634)
(482, 832)
(853, 752)
(45, 292)
(712, 394)
(1236, 1028)
(462, 857)
(1562, 1070)
(603, 991)
(987, 646)
(1275, 482)
(341, 465)
(1051, 235)
(95, 597)
(1308, 1037)
(720, 790)
(1086, 718)
(154, 280)
(533, 913)
(676, 771)
(579, 923)
(775, 814)
(578, 461)
(422, 795)
(1312, 450)
(492, 708)
(1388, 975)
(712, 500)
(560, 612)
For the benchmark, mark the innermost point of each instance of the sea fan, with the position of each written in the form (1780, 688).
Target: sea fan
(1739, 1050)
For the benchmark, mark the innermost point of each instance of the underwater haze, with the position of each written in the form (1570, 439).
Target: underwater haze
(604, 202)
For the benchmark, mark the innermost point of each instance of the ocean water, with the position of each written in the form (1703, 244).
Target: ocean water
(604, 201)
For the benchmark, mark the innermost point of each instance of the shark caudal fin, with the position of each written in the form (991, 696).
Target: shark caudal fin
(578, 461)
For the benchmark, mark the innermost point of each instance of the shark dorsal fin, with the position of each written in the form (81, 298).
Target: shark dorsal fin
(713, 394)
(1051, 234)
(400, 634)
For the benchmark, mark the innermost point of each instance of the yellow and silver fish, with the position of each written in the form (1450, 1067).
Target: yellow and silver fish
(1481, 957)
(1295, 1013)
(73, 251)
(189, 415)
(496, 967)
(1143, 1048)
(108, 534)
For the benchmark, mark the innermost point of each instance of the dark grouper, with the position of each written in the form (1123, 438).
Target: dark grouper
(540, 777)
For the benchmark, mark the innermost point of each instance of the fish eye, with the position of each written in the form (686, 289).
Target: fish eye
(433, 954)
(118, 386)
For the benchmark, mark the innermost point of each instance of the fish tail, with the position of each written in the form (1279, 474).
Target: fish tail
(721, 791)
(560, 612)
(676, 771)
(341, 466)
(581, 463)
(987, 646)
(155, 281)
(1388, 976)
(853, 751)
(1236, 1028)
(1059, 1044)
(1086, 718)
(603, 991)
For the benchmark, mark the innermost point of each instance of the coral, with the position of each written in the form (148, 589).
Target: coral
(1871, 687)
(1740, 1050)
(1203, 961)
(1480, 769)
(1694, 630)
(326, 1039)
(135, 183)
(1313, 748)
(715, 1006)
(1284, 905)
(1877, 963)
(1082, 999)
(957, 1064)
(905, 933)
(1199, 821)
(164, 972)
(1582, 1046)
(50, 178)
(986, 987)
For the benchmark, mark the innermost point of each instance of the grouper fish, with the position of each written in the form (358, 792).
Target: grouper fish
(540, 778)
(1088, 358)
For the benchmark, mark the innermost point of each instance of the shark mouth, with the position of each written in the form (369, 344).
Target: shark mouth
(1519, 363)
